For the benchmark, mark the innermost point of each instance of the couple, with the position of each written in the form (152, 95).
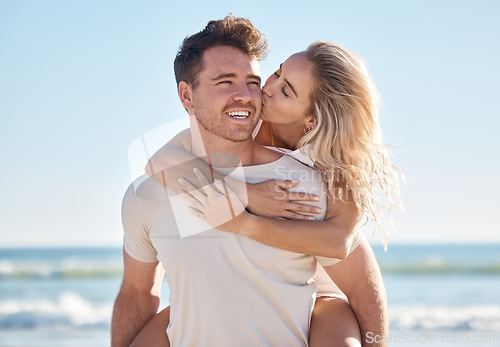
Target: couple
(250, 282)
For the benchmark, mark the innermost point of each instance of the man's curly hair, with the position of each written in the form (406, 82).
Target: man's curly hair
(230, 31)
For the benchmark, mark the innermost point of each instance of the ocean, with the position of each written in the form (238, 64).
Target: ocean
(438, 295)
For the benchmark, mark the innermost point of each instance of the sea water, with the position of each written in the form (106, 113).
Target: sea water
(442, 294)
(438, 295)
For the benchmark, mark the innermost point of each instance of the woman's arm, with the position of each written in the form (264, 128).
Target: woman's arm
(174, 159)
(271, 198)
(330, 238)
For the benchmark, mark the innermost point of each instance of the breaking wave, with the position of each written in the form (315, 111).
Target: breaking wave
(9, 269)
(69, 310)
(445, 318)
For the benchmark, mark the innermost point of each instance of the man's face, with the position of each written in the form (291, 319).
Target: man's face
(227, 100)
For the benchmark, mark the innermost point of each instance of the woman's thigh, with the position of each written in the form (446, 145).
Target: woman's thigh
(333, 324)
(154, 333)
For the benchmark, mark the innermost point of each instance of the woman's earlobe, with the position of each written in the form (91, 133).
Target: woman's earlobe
(310, 122)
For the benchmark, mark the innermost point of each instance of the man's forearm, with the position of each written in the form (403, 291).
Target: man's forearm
(370, 310)
(359, 277)
(130, 314)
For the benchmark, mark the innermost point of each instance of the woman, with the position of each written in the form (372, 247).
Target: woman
(320, 107)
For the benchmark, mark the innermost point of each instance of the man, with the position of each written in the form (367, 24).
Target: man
(225, 290)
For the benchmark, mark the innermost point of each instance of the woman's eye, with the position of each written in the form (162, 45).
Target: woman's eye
(276, 74)
(283, 91)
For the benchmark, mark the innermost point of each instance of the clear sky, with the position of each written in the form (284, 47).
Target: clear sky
(81, 80)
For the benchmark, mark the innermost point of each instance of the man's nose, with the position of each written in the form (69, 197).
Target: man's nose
(242, 93)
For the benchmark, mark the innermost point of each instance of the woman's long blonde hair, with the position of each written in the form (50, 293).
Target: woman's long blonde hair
(348, 142)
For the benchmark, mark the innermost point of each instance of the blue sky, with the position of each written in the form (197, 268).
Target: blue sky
(80, 81)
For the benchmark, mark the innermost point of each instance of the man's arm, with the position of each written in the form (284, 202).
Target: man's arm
(138, 299)
(359, 277)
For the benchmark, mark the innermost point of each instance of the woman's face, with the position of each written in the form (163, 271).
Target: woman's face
(286, 92)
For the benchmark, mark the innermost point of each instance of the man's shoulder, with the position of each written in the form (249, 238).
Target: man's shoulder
(145, 188)
(263, 155)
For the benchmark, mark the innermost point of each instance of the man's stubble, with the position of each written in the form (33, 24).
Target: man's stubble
(210, 124)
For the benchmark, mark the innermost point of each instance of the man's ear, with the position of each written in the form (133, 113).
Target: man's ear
(186, 94)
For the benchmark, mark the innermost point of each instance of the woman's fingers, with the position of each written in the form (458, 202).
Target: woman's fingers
(301, 196)
(197, 213)
(205, 183)
(272, 198)
(192, 200)
(302, 208)
(201, 177)
(223, 188)
(296, 216)
(295, 196)
(192, 189)
(286, 184)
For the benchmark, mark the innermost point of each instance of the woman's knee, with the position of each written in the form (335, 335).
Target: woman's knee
(333, 323)
(154, 334)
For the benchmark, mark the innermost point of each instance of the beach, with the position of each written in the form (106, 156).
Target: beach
(438, 295)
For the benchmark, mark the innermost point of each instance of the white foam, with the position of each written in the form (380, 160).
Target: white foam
(6, 267)
(62, 269)
(438, 318)
(68, 310)
(71, 310)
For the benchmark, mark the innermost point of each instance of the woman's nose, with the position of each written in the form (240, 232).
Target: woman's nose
(266, 89)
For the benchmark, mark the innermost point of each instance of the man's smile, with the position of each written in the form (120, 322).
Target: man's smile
(238, 114)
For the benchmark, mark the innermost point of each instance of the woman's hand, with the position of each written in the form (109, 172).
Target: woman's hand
(215, 203)
(273, 199)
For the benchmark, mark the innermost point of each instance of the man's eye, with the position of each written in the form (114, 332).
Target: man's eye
(224, 82)
(255, 83)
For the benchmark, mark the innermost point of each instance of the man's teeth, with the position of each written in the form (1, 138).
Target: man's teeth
(238, 114)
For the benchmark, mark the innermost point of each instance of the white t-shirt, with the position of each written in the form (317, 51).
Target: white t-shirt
(226, 289)
(326, 287)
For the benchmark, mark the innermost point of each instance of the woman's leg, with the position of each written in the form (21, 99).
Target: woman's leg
(154, 333)
(333, 324)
